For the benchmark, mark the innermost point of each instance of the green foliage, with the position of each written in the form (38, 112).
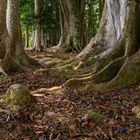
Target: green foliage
(95, 16)
(94, 114)
(49, 21)
(92, 15)
(2, 78)
(27, 13)
(48, 17)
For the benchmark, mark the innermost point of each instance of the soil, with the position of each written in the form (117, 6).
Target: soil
(63, 114)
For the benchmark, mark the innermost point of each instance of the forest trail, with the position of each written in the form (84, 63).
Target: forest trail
(62, 114)
(80, 53)
(35, 77)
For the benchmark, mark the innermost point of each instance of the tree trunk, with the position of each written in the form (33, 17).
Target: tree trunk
(37, 39)
(26, 38)
(33, 37)
(111, 27)
(101, 5)
(3, 30)
(90, 22)
(119, 65)
(43, 43)
(70, 23)
(15, 55)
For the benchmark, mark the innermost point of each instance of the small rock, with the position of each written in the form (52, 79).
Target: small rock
(17, 95)
(136, 109)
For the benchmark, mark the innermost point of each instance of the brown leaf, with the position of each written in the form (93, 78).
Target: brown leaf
(26, 138)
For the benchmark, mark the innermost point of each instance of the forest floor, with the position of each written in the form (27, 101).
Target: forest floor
(63, 114)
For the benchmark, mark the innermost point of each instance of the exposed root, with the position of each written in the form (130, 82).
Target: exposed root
(66, 65)
(90, 64)
(53, 49)
(104, 75)
(60, 63)
(73, 81)
(10, 65)
(44, 90)
(129, 74)
(3, 72)
(102, 60)
(84, 72)
(29, 61)
(110, 71)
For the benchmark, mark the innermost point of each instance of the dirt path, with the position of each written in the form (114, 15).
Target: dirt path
(65, 115)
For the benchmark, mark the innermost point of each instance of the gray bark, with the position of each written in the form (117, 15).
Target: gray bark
(112, 25)
(26, 38)
(37, 39)
(13, 26)
(70, 39)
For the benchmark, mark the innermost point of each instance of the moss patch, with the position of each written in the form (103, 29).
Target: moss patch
(17, 95)
(129, 74)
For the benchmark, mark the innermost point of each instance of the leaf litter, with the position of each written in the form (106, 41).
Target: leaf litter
(65, 115)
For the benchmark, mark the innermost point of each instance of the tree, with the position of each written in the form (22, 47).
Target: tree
(70, 12)
(37, 38)
(113, 54)
(26, 38)
(3, 30)
(101, 6)
(78, 22)
(15, 55)
(27, 20)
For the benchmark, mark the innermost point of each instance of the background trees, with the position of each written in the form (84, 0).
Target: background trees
(71, 26)
(14, 51)
(113, 54)
(56, 27)
(77, 24)
(82, 46)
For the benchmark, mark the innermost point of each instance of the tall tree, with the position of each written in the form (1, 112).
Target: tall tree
(109, 30)
(113, 55)
(37, 38)
(15, 54)
(3, 30)
(70, 14)
(26, 37)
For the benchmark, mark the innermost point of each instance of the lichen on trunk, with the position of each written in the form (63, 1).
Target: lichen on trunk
(118, 66)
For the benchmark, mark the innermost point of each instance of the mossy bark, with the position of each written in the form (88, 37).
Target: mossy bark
(15, 55)
(3, 30)
(129, 74)
(100, 50)
(118, 66)
(15, 63)
(10, 65)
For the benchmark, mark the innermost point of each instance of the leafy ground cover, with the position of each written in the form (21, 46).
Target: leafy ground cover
(63, 114)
